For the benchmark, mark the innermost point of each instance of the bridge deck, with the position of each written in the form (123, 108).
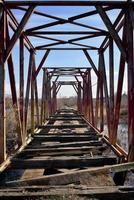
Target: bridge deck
(65, 157)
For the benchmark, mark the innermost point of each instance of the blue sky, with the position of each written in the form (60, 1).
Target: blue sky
(65, 58)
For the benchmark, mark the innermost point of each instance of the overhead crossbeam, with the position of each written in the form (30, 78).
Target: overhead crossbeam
(65, 3)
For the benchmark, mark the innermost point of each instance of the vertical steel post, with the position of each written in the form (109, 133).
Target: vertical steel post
(102, 63)
(85, 96)
(79, 98)
(88, 97)
(54, 98)
(91, 98)
(21, 87)
(32, 96)
(44, 104)
(28, 87)
(42, 99)
(111, 82)
(14, 94)
(101, 94)
(130, 70)
(2, 84)
(113, 138)
(36, 101)
(36, 92)
(49, 96)
(97, 103)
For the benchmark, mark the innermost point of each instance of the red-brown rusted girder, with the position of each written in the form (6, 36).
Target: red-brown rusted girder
(130, 71)
(2, 84)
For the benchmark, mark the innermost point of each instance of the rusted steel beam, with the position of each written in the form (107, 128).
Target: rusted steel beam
(32, 95)
(104, 77)
(130, 70)
(59, 21)
(65, 42)
(49, 45)
(91, 62)
(2, 84)
(42, 62)
(76, 77)
(118, 20)
(21, 86)
(44, 103)
(111, 81)
(84, 96)
(44, 26)
(91, 97)
(28, 87)
(101, 84)
(79, 98)
(58, 89)
(14, 24)
(62, 33)
(42, 99)
(15, 100)
(63, 21)
(97, 100)
(49, 93)
(70, 18)
(88, 97)
(36, 100)
(87, 37)
(66, 82)
(54, 97)
(36, 91)
(75, 88)
(58, 42)
(119, 92)
(65, 3)
(68, 49)
(19, 31)
(131, 15)
(111, 29)
(90, 13)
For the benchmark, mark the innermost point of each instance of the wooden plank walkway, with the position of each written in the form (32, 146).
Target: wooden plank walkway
(66, 154)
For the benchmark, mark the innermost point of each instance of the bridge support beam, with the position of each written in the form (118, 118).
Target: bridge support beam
(79, 98)
(21, 87)
(130, 68)
(2, 85)
(100, 84)
(54, 99)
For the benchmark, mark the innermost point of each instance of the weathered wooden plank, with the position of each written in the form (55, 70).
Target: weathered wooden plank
(32, 173)
(51, 126)
(61, 151)
(62, 162)
(67, 115)
(61, 138)
(65, 119)
(67, 144)
(85, 133)
(73, 177)
(107, 192)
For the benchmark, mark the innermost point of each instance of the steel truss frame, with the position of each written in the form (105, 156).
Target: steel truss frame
(125, 21)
